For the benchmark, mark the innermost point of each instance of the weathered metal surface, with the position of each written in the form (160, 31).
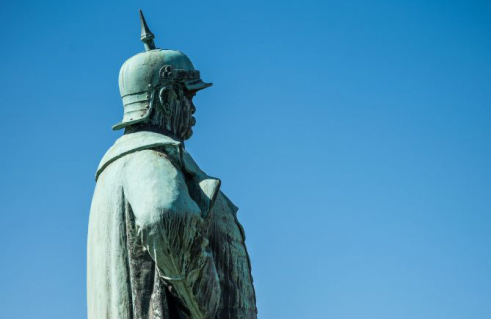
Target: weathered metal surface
(164, 242)
(146, 35)
(146, 73)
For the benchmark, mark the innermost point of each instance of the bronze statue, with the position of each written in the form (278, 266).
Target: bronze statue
(164, 242)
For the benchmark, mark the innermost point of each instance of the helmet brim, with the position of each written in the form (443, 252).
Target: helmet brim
(124, 124)
(196, 85)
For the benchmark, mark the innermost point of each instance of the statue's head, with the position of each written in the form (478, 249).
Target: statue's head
(157, 87)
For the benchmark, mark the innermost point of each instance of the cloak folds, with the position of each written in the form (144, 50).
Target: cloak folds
(164, 242)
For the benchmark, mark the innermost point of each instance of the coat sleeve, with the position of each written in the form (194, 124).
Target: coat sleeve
(170, 226)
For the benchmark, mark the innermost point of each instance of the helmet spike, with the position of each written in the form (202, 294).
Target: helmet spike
(146, 35)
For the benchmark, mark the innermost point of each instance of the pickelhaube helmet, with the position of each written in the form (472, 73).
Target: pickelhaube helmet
(142, 75)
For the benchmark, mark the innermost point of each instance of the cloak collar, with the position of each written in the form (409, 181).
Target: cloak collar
(204, 188)
(130, 143)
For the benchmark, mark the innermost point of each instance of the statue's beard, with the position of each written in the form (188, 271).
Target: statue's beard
(177, 116)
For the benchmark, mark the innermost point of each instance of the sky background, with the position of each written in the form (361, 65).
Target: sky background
(354, 136)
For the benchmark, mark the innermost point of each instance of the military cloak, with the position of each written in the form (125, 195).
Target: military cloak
(164, 242)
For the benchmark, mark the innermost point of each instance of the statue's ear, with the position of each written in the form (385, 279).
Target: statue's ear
(164, 99)
(163, 94)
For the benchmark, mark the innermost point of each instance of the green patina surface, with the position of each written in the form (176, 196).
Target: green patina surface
(164, 242)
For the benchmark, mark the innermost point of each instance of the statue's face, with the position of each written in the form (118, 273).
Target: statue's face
(190, 109)
(178, 109)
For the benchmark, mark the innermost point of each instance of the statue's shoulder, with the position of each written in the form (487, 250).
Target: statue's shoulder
(155, 146)
(152, 163)
(152, 178)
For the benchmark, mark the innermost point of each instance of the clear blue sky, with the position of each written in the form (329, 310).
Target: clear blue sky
(354, 136)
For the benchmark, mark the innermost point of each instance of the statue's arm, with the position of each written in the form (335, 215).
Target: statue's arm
(170, 226)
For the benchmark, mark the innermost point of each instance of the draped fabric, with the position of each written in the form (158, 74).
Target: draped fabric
(164, 242)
